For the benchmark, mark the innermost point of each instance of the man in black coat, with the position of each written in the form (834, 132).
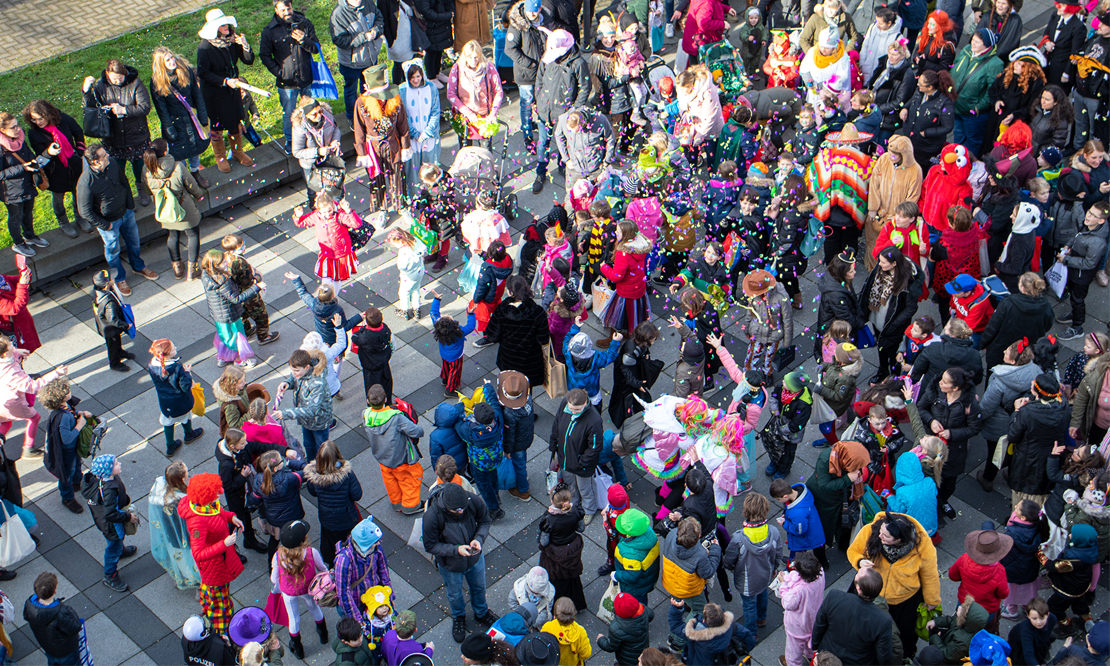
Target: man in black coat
(203, 648)
(576, 440)
(562, 82)
(953, 351)
(287, 45)
(853, 628)
(455, 528)
(55, 625)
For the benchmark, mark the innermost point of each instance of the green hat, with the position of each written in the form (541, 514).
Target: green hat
(376, 78)
(795, 381)
(633, 523)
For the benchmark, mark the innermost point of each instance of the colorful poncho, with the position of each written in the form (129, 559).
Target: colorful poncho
(839, 176)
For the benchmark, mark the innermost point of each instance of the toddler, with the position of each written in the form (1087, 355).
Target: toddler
(255, 317)
(451, 338)
(1022, 568)
(1094, 345)
(375, 349)
(574, 642)
(802, 591)
(379, 608)
(556, 247)
(294, 566)
(752, 41)
(337, 261)
(979, 571)
(838, 332)
(410, 268)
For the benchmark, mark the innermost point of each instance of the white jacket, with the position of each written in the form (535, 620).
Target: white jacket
(875, 44)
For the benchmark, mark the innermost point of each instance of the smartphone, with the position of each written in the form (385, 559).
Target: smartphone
(20, 261)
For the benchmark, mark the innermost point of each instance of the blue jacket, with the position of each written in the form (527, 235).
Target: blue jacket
(443, 439)
(587, 375)
(1021, 562)
(489, 276)
(914, 494)
(802, 522)
(323, 312)
(283, 505)
(483, 442)
(869, 123)
(704, 643)
(453, 351)
(336, 494)
(175, 390)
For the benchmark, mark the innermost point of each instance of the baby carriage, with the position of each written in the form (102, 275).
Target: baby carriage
(655, 70)
(476, 169)
(722, 57)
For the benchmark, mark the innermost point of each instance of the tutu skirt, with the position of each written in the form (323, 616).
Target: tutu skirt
(231, 342)
(625, 314)
(336, 269)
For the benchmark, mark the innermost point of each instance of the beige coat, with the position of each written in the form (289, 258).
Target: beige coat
(183, 186)
(472, 22)
(889, 186)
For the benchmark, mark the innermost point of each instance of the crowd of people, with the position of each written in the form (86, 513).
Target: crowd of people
(976, 176)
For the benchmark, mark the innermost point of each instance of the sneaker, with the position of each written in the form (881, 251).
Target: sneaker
(820, 443)
(247, 364)
(949, 512)
(148, 274)
(488, 619)
(412, 511)
(1103, 278)
(458, 629)
(197, 434)
(73, 506)
(1065, 320)
(115, 583)
(32, 452)
(28, 251)
(38, 241)
(222, 364)
(1010, 612)
(1072, 333)
(519, 495)
(588, 519)
(6, 575)
(497, 515)
(449, 394)
(668, 32)
(177, 444)
(123, 287)
(779, 475)
(770, 471)
(530, 146)
(120, 367)
(272, 337)
(128, 551)
(537, 187)
(483, 342)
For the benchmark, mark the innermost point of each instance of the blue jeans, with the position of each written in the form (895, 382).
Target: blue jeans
(71, 659)
(755, 608)
(487, 486)
(520, 468)
(475, 578)
(313, 440)
(194, 162)
(113, 550)
(289, 98)
(613, 461)
(353, 85)
(527, 98)
(127, 230)
(72, 474)
(543, 142)
(969, 130)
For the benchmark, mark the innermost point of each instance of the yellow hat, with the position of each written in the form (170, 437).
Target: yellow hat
(379, 595)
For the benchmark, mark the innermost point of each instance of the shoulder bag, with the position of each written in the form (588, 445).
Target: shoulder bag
(96, 122)
(39, 177)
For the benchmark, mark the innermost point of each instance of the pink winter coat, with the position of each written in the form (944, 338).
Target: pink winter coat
(15, 385)
(800, 603)
(705, 23)
(331, 232)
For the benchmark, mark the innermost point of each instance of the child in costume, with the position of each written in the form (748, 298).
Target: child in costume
(783, 59)
(337, 261)
(379, 609)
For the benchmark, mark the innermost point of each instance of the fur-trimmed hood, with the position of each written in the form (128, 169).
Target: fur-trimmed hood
(335, 477)
(697, 631)
(516, 16)
(1091, 507)
(221, 396)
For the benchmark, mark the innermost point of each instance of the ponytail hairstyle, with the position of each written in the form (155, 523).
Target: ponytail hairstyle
(157, 149)
(1020, 351)
(257, 412)
(177, 480)
(319, 362)
(561, 497)
(1044, 353)
(160, 350)
(268, 465)
(936, 452)
(1031, 284)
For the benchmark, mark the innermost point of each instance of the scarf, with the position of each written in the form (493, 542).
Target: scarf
(222, 42)
(849, 457)
(12, 144)
(61, 140)
(788, 396)
(881, 291)
(822, 61)
(476, 82)
(894, 553)
(556, 511)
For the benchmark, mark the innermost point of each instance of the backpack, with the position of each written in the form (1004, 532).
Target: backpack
(406, 408)
(167, 209)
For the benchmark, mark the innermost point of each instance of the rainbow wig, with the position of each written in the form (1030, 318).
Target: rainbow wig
(730, 432)
(694, 415)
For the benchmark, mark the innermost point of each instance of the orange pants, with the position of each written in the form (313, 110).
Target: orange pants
(402, 484)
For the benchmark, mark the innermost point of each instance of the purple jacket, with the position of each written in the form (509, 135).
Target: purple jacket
(354, 575)
(394, 649)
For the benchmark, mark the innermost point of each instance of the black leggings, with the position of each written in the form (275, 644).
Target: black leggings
(21, 221)
(58, 199)
(192, 243)
(432, 62)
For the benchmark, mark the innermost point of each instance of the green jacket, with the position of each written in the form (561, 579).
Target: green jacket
(956, 640)
(360, 656)
(838, 384)
(972, 76)
(828, 494)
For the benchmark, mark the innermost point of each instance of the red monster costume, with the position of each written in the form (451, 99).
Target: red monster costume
(782, 62)
(218, 563)
(946, 186)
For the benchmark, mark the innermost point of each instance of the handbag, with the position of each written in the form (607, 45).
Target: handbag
(1057, 278)
(605, 611)
(328, 175)
(40, 180)
(95, 121)
(602, 294)
(323, 83)
(275, 609)
(870, 504)
(865, 339)
(554, 374)
(198, 399)
(322, 589)
(15, 540)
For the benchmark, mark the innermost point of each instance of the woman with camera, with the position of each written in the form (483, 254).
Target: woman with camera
(19, 170)
(125, 99)
(46, 127)
(218, 58)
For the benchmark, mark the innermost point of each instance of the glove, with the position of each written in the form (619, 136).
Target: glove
(363, 162)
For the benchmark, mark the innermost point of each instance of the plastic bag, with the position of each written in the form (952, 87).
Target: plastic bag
(15, 540)
(1057, 278)
(605, 611)
(323, 83)
(602, 481)
(198, 399)
(924, 615)
(602, 294)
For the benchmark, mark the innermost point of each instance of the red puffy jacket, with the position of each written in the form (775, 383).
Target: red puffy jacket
(628, 269)
(218, 564)
(987, 583)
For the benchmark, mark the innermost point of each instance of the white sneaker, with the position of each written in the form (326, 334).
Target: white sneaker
(669, 30)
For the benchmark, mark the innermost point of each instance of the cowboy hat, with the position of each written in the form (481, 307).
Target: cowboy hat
(758, 283)
(512, 389)
(987, 547)
(849, 135)
(257, 390)
(214, 19)
(377, 82)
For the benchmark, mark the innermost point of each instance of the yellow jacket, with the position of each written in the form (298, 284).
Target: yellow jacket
(917, 570)
(574, 642)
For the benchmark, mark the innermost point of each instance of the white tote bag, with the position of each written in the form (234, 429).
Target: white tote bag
(1057, 278)
(15, 540)
(602, 481)
(605, 611)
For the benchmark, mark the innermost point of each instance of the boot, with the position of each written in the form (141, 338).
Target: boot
(194, 270)
(322, 631)
(220, 150)
(295, 646)
(236, 141)
(179, 270)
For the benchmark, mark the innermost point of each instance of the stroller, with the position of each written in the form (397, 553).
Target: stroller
(656, 69)
(724, 58)
(476, 169)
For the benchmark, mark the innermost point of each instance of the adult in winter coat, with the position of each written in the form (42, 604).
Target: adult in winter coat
(438, 16)
(474, 90)
(575, 444)
(472, 23)
(1025, 314)
(928, 118)
(46, 125)
(885, 31)
(119, 87)
(1004, 21)
(852, 627)
(837, 478)
(1089, 396)
(218, 58)
(899, 549)
(1009, 381)
(704, 24)
(628, 631)
(699, 102)
(315, 137)
(356, 28)
(950, 410)
(708, 634)
(519, 324)
(225, 304)
(213, 547)
(586, 141)
(1038, 423)
(838, 299)
(831, 12)
(935, 48)
(286, 47)
(525, 44)
(973, 73)
(175, 91)
(894, 83)
(164, 171)
(1064, 36)
(769, 320)
(890, 294)
(18, 165)
(954, 350)
(332, 481)
(1012, 96)
(1051, 119)
(895, 177)
(562, 83)
(914, 494)
(636, 556)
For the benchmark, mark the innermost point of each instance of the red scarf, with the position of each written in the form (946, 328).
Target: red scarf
(61, 140)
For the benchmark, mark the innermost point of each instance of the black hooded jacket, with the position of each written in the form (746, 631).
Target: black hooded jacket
(56, 627)
(289, 61)
(212, 651)
(837, 302)
(950, 352)
(1017, 316)
(1034, 431)
(444, 531)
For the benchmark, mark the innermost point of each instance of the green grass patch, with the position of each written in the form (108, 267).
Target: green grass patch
(59, 79)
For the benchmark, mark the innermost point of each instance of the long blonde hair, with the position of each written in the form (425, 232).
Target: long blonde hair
(160, 76)
(474, 48)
